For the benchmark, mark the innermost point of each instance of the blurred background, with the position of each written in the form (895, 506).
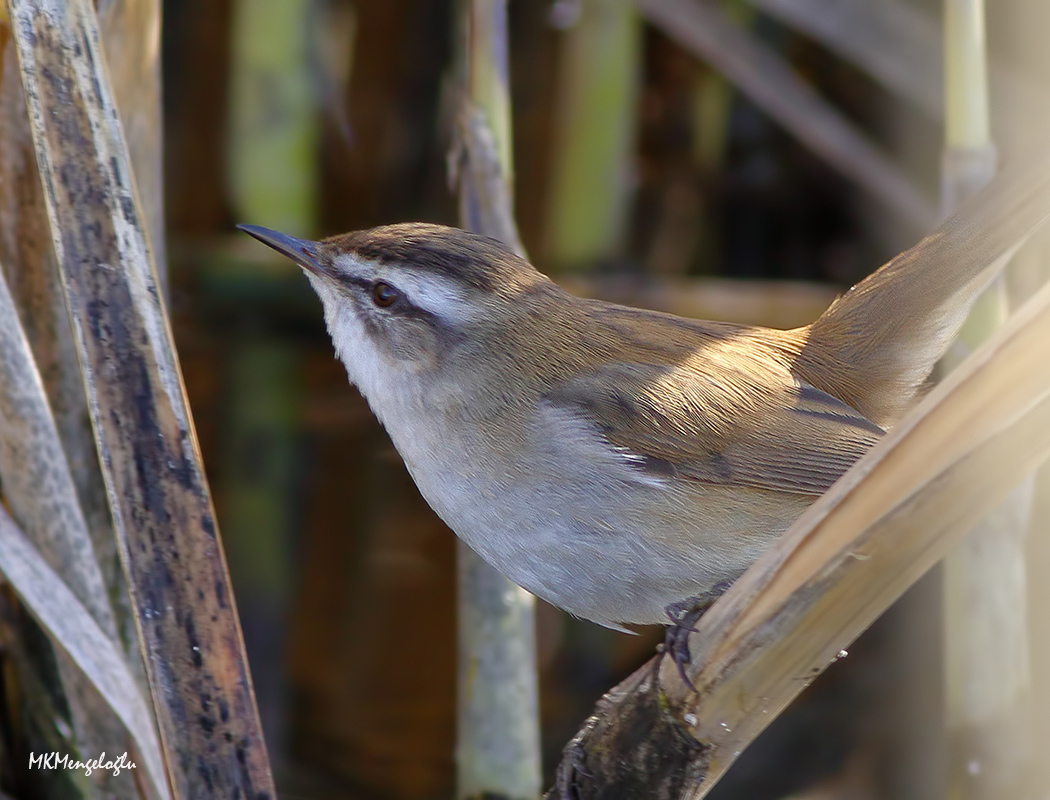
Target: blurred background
(742, 160)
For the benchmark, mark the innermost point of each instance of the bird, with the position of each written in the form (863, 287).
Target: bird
(624, 465)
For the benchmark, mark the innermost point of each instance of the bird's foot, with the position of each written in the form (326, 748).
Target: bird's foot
(684, 614)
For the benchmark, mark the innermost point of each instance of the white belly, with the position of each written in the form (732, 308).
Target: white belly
(603, 542)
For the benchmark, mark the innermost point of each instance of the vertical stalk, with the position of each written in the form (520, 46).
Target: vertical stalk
(273, 179)
(967, 123)
(488, 77)
(596, 120)
(497, 747)
(497, 725)
(274, 131)
(987, 672)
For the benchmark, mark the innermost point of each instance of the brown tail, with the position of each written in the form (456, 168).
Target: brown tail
(877, 344)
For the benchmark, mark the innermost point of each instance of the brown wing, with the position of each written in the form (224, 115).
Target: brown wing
(721, 425)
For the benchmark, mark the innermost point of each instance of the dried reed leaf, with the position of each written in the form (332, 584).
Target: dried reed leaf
(896, 43)
(775, 88)
(35, 475)
(158, 495)
(75, 632)
(901, 46)
(45, 454)
(131, 39)
(912, 497)
(39, 489)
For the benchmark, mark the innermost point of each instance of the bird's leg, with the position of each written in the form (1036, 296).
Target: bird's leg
(684, 614)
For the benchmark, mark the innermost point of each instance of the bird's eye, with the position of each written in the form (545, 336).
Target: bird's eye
(384, 295)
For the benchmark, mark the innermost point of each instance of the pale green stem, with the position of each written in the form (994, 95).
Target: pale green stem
(497, 731)
(489, 77)
(987, 671)
(594, 142)
(273, 125)
(965, 75)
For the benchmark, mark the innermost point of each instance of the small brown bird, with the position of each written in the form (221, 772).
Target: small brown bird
(621, 464)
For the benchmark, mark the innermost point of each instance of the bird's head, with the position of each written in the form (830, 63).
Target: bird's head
(400, 299)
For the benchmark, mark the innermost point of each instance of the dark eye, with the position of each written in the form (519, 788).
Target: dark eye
(384, 295)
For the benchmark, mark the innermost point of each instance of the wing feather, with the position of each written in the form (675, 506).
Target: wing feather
(721, 425)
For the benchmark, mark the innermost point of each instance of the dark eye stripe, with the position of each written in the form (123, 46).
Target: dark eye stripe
(402, 309)
(354, 281)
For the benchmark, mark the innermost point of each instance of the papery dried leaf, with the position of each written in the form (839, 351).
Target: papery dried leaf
(158, 494)
(72, 628)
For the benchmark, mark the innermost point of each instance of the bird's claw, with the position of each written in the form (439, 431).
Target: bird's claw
(683, 616)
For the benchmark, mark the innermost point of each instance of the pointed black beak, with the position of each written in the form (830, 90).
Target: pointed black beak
(302, 251)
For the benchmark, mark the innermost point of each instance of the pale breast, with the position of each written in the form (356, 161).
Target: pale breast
(572, 520)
